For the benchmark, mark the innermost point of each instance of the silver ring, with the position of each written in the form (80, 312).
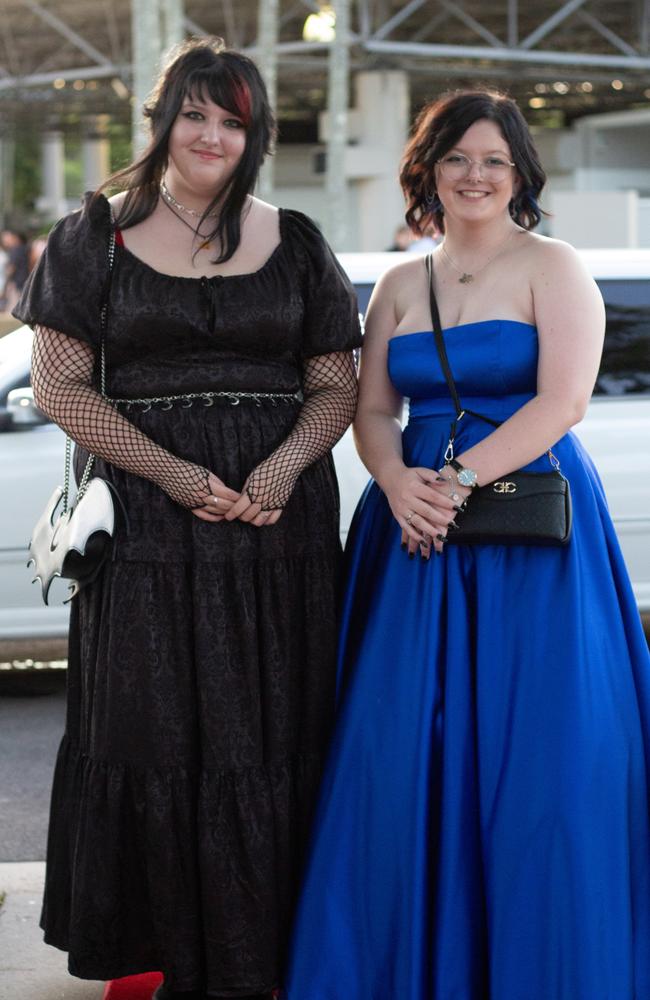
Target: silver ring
(216, 500)
(409, 516)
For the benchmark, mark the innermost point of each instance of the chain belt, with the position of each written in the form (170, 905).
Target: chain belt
(187, 399)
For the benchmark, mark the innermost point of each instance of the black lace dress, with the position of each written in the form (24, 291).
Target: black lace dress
(201, 662)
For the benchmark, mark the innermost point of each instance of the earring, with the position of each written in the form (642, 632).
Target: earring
(433, 203)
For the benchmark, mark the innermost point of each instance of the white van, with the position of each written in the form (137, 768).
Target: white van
(615, 430)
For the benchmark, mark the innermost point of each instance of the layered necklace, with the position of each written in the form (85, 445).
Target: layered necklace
(466, 276)
(175, 207)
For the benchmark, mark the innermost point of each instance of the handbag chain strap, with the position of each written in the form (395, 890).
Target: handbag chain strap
(103, 323)
(444, 363)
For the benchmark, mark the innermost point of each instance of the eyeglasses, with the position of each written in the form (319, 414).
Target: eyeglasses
(455, 167)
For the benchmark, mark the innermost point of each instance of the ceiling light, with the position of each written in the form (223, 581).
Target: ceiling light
(120, 88)
(560, 87)
(320, 27)
(59, 83)
(617, 84)
(537, 102)
(586, 87)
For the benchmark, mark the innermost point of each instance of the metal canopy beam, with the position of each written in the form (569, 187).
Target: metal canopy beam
(80, 73)
(552, 22)
(472, 52)
(457, 11)
(401, 15)
(614, 40)
(63, 29)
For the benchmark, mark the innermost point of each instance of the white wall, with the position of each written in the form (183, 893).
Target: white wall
(595, 218)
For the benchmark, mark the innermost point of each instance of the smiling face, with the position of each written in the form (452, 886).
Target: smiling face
(206, 144)
(477, 197)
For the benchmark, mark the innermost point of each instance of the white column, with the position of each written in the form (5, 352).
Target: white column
(383, 110)
(173, 31)
(337, 106)
(52, 200)
(95, 152)
(146, 47)
(267, 60)
(7, 169)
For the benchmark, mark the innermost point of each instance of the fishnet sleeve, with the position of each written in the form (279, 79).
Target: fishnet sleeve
(62, 370)
(330, 389)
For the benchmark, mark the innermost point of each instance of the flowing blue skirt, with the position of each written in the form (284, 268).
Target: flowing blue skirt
(483, 828)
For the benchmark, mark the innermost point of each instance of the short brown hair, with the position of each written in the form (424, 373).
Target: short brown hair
(439, 127)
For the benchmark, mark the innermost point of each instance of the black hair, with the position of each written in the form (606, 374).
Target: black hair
(440, 126)
(203, 69)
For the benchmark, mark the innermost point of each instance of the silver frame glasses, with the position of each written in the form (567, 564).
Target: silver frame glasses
(480, 164)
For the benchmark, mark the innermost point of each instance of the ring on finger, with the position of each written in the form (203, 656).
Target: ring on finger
(408, 517)
(216, 501)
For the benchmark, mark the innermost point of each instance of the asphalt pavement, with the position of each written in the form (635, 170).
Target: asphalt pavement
(32, 713)
(30, 969)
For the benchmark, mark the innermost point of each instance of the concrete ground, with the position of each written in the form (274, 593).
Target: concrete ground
(30, 969)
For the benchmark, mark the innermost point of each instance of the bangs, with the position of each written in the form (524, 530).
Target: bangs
(219, 85)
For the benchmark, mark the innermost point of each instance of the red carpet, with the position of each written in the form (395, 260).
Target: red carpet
(133, 987)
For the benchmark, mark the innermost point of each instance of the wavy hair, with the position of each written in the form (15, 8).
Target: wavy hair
(203, 69)
(439, 127)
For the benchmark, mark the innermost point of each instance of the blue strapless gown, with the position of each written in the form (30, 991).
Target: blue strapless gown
(483, 830)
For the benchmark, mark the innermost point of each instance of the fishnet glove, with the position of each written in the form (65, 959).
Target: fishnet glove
(62, 370)
(330, 389)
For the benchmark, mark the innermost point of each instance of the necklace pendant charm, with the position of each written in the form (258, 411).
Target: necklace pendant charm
(206, 245)
(466, 278)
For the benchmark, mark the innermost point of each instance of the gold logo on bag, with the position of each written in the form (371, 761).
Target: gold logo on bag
(505, 487)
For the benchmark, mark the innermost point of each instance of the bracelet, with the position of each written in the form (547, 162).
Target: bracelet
(453, 495)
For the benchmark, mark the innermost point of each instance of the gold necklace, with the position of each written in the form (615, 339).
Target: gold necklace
(465, 276)
(173, 203)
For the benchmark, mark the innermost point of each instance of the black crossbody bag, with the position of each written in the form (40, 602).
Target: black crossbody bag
(522, 508)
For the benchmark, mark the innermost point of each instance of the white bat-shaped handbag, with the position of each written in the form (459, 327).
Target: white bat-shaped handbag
(72, 542)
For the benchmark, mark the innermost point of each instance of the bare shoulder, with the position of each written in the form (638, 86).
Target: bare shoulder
(562, 286)
(262, 211)
(400, 276)
(116, 201)
(551, 256)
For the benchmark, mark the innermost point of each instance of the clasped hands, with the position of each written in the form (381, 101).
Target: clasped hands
(224, 504)
(424, 503)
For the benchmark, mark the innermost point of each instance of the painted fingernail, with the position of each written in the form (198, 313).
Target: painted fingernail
(456, 507)
(452, 524)
(411, 555)
(440, 479)
(403, 546)
(441, 538)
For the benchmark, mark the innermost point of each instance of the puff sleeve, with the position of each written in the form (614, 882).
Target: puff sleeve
(66, 289)
(331, 312)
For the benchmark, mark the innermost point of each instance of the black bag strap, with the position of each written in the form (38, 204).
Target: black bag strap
(103, 323)
(444, 360)
(103, 313)
(444, 363)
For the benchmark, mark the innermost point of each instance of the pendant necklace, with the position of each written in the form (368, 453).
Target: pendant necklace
(174, 203)
(466, 276)
(206, 243)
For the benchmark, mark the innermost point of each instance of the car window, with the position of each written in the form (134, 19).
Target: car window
(625, 368)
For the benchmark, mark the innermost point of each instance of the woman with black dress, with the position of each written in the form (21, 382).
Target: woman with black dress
(201, 662)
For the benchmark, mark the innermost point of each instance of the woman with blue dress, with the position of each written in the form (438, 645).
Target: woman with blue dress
(483, 829)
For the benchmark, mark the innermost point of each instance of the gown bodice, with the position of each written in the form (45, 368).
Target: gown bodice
(493, 362)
